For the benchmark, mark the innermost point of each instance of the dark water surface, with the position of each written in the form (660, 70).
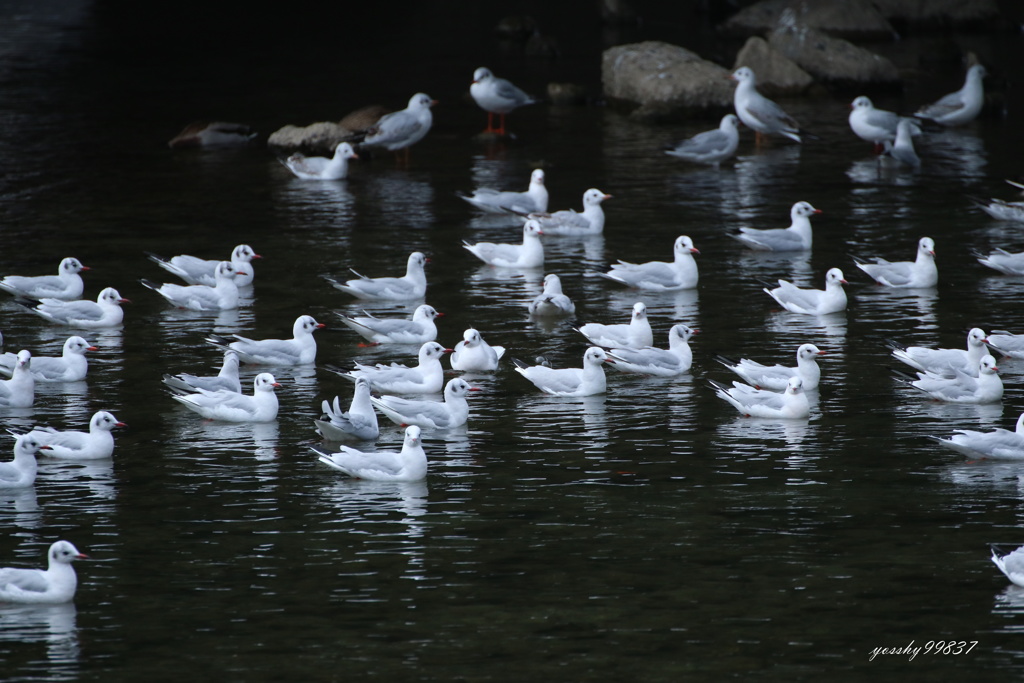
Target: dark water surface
(646, 534)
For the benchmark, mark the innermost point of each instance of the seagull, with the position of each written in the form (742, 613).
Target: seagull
(71, 366)
(82, 313)
(534, 200)
(758, 112)
(96, 444)
(417, 330)
(984, 387)
(66, 285)
(902, 150)
(221, 297)
(425, 378)
(776, 377)
(299, 350)
(585, 381)
(650, 360)
(790, 404)
(1004, 261)
(452, 412)
(943, 361)
(227, 379)
(918, 274)
(810, 301)
(552, 302)
(1006, 343)
(1003, 210)
(797, 237)
(19, 390)
(21, 471)
(412, 285)
(960, 107)
(401, 129)
(496, 96)
(213, 134)
(529, 254)
(571, 224)
(660, 276)
(1010, 563)
(198, 271)
(636, 334)
(872, 125)
(228, 406)
(999, 444)
(473, 354)
(711, 146)
(322, 168)
(53, 585)
(408, 465)
(360, 422)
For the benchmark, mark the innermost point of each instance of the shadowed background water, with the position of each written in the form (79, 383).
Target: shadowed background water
(646, 534)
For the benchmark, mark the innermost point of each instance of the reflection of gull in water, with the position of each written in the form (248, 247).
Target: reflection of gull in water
(96, 476)
(754, 432)
(771, 265)
(551, 418)
(958, 154)
(51, 624)
(1010, 603)
(25, 506)
(230, 438)
(798, 324)
(882, 305)
(355, 499)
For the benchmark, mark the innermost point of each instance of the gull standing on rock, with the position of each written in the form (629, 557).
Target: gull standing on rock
(711, 146)
(920, 273)
(52, 586)
(360, 422)
(960, 107)
(104, 312)
(797, 237)
(96, 444)
(299, 350)
(71, 366)
(322, 168)
(534, 200)
(552, 302)
(199, 271)
(586, 381)
(660, 276)
(529, 254)
(412, 285)
(66, 285)
(810, 301)
(758, 112)
(408, 465)
(496, 96)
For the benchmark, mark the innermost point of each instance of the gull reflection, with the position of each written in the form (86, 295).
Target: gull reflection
(1010, 603)
(355, 500)
(958, 154)
(985, 475)
(885, 306)
(96, 476)
(261, 438)
(881, 171)
(771, 266)
(53, 625)
(789, 323)
(25, 507)
(757, 430)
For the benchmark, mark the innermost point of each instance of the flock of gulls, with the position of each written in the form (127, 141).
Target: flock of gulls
(408, 394)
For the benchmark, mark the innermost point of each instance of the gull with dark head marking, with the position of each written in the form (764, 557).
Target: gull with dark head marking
(104, 312)
(199, 271)
(70, 366)
(650, 360)
(95, 444)
(985, 386)
(810, 301)
(873, 125)
(19, 390)
(51, 586)
(427, 377)
(586, 381)
(21, 472)
(228, 406)
(496, 96)
(66, 285)
(299, 350)
(791, 404)
(660, 276)
(569, 223)
(776, 377)
(473, 354)
(417, 330)
(452, 412)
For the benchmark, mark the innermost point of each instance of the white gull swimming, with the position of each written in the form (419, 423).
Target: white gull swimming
(322, 168)
(223, 296)
(70, 366)
(586, 381)
(635, 334)
(660, 276)
(410, 464)
(569, 223)
(529, 254)
(199, 271)
(650, 360)
(473, 354)
(416, 330)
(985, 386)
(21, 472)
(19, 390)
(104, 312)
(998, 444)
(359, 422)
(226, 378)
(95, 444)
(790, 404)
(54, 585)
(535, 199)
(944, 361)
(920, 273)
(228, 406)
(810, 301)
(797, 237)
(412, 285)
(66, 285)
(427, 377)
(711, 146)
(299, 350)
(552, 302)
(451, 412)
